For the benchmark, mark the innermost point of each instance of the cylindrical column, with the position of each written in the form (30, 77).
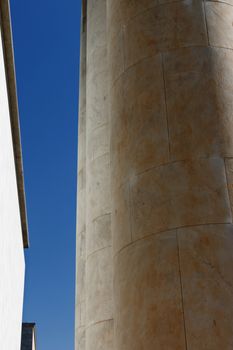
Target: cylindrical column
(99, 316)
(171, 74)
(80, 306)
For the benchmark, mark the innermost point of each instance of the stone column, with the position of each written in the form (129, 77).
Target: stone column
(99, 317)
(80, 309)
(171, 83)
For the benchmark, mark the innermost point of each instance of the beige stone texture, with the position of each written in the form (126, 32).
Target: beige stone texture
(100, 234)
(179, 194)
(81, 314)
(206, 262)
(219, 17)
(100, 336)
(80, 297)
(164, 27)
(97, 109)
(96, 62)
(229, 2)
(81, 210)
(98, 144)
(80, 338)
(157, 178)
(139, 134)
(199, 102)
(98, 188)
(81, 277)
(121, 218)
(229, 173)
(99, 292)
(77, 315)
(81, 141)
(99, 265)
(148, 307)
(115, 56)
(120, 12)
(96, 27)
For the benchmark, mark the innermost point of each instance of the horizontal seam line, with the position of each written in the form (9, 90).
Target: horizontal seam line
(97, 251)
(164, 52)
(92, 160)
(95, 323)
(221, 2)
(169, 230)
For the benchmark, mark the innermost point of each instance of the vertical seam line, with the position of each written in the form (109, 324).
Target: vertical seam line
(228, 188)
(206, 23)
(166, 109)
(181, 289)
(130, 211)
(122, 32)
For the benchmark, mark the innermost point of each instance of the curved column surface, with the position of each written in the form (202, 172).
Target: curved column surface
(80, 306)
(99, 316)
(171, 74)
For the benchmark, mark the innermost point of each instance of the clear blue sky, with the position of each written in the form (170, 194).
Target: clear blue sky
(46, 43)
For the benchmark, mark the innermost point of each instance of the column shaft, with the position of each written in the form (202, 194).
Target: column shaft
(80, 306)
(99, 316)
(171, 73)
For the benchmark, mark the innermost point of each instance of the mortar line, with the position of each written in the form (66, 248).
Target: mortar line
(150, 235)
(228, 188)
(206, 23)
(166, 109)
(181, 290)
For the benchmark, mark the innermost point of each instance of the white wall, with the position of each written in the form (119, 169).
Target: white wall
(11, 245)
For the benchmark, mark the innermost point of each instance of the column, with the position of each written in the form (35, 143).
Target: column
(99, 313)
(171, 74)
(80, 307)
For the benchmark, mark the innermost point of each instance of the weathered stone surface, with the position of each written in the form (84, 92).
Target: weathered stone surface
(80, 298)
(98, 142)
(80, 340)
(148, 308)
(219, 23)
(199, 102)
(123, 11)
(206, 258)
(81, 277)
(139, 126)
(99, 234)
(99, 292)
(164, 27)
(180, 194)
(169, 201)
(229, 174)
(81, 313)
(81, 209)
(229, 2)
(96, 62)
(97, 109)
(98, 188)
(121, 217)
(96, 27)
(116, 57)
(100, 336)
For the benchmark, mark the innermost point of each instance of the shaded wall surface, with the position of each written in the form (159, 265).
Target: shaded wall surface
(28, 341)
(170, 109)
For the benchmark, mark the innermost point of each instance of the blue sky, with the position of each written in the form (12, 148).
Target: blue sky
(46, 43)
